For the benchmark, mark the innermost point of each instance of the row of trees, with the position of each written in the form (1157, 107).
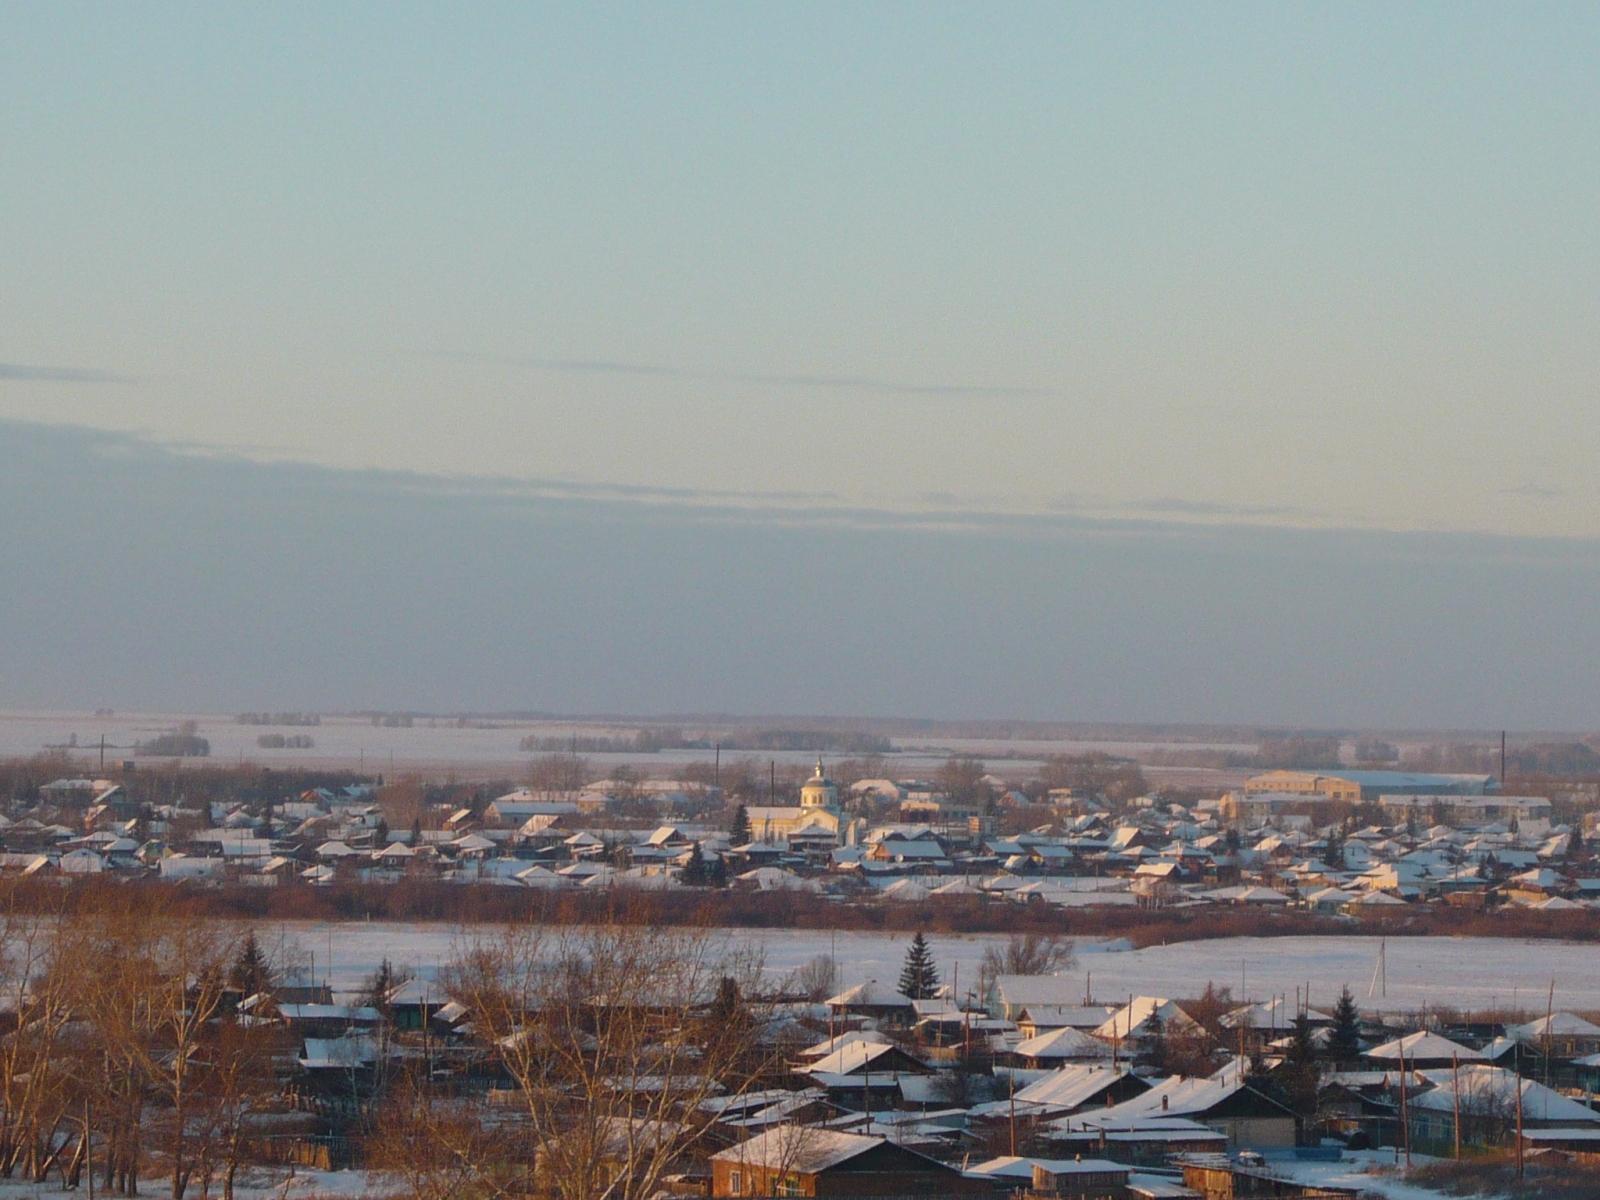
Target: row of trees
(128, 1056)
(613, 1043)
(126, 1048)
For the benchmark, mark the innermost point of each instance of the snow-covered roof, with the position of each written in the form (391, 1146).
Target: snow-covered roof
(802, 1149)
(1425, 1046)
(1062, 1043)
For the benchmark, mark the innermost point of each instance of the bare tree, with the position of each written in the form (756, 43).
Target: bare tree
(34, 1072)
(613, 1038)
(816, 979)
(1024, 954)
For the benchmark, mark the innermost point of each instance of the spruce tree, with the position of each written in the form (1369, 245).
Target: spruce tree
(1153, 1043)
(717, 872)
(1334, 855)
(250, 973)
(694, 871)
(1300, 1075)
(1344, 1043)
(919, 978)
(740, 833)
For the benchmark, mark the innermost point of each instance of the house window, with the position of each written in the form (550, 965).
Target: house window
(735, 1182)
(790, 1186)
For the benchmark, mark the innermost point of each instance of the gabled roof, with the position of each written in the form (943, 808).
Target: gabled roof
(1064, 1042)
(804, 1150)
(1484, 1087)
(1062, 1091)
(870, 994)
(1034, 990)
(1178, 1096)
(829, 1045)
(1557, 1025)
(1131, 1019)
(1010, 1166)
(1425, 1046)
(1273, 1014)
(1055, 1016)
(852, 1057)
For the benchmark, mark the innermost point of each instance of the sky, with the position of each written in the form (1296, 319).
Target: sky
(1138, 362)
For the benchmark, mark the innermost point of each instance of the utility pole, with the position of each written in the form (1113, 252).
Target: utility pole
(1455, 1078)
(1549, 1022)
(1405, 1118)
(1517, 1083)
(1013, 1118)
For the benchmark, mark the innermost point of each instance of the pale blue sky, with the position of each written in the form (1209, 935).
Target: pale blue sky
(1325, 263)
(1320, 266)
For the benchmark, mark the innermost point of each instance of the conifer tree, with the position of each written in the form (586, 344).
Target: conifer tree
(740, 833)
(1334, 855)
(1299, 1072)
(919, 978)
(694, 871)
(251, 973)
(717, 872)
(1344, 1043)
(1153, 1045)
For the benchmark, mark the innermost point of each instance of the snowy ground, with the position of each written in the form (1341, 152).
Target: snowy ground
(1461, 972)
(303, 1184)
(356, 744)
(1364, 1170)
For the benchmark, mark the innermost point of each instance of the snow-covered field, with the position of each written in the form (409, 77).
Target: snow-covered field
(354, 743)
(1461, 972)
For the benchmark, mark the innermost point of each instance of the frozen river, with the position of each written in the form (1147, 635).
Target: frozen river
(1460, 972)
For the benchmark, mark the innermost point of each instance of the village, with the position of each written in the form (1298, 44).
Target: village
(1334, 843)
(668, 1065)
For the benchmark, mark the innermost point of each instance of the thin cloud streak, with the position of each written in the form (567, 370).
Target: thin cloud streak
(853, 383)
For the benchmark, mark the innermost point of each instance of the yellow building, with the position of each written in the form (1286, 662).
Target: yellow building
(1356, 786)
(816, 815)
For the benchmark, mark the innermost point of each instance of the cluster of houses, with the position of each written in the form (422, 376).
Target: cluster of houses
(1441, 839)
(1032, 1088)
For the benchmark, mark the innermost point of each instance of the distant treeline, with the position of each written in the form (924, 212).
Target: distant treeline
(651, 740)
(175, 745)
(278, 718)
(1321, 752)
(644, 741)
(280, 741)
(811, 741)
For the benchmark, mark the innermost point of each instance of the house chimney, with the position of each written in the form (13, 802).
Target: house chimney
(1164, 1104)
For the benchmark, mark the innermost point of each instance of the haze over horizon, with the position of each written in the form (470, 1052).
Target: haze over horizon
(1151, 363)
